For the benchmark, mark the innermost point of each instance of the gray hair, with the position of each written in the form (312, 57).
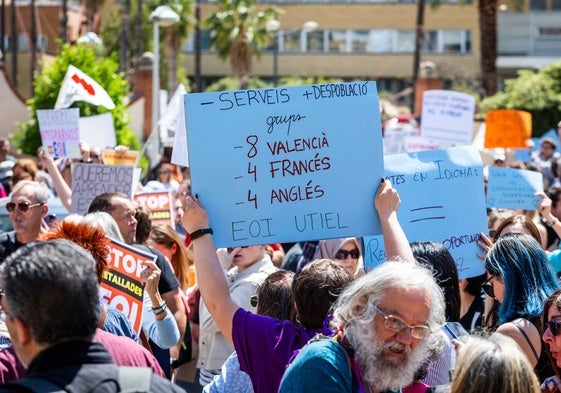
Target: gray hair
(40, 190)
(356, 303)
(106, 222)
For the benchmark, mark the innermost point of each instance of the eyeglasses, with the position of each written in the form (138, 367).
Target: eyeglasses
(253, 300)
(343, 254)
(22, 206)
(554, 326)
(487, 286)
(396, 324)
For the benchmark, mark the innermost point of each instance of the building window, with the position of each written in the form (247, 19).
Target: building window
(382, 41)
(337, 40)
(42, 43)
(554, 32)
(23, 45)
(538, 4)
(315, 41)
(405, 41)
(452, 41)
(360, 41)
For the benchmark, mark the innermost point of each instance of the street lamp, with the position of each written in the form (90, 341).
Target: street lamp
(163, 16)
(274, 27)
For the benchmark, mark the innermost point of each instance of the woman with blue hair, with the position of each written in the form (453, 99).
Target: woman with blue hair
(520, 278)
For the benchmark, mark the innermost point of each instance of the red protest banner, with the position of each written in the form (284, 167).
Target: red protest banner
(159, 204)
(121, 286)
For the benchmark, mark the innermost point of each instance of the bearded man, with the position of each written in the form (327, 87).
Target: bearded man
(384, 324)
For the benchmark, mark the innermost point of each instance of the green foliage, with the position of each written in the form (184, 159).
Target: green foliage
(237, 17)
(536, 92)
(48, 83)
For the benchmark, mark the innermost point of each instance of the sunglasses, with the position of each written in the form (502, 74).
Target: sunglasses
(554, 326)
(396, 324)
(253, 300)
(487, 287)
(22, 206)
(343, 254)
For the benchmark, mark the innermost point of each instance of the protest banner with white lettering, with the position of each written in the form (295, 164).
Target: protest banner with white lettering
(60, 132)
(121, 286)
(286, 164)
(90, 180)
(511, 188)
(447, 116)
(442, 199)
(159, 205)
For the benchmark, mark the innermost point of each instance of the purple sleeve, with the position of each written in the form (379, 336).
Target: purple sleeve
(249, 329)
(11, 368)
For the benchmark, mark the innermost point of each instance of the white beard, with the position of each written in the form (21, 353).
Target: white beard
(378, 369)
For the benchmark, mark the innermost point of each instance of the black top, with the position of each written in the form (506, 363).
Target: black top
(81, 366)
(8, 244)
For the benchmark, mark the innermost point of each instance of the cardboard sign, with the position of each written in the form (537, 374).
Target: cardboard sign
(447, 116)
(159, 204)
(118, 157)
(60, 132)
(442, 200)
(419, 143)
(121, 285)
(91, 180)
(98, 130)
(507, 128)
(511, 188)
(286, 164)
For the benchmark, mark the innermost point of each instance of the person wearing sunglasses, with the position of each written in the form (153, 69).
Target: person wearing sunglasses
(345, 251)
(520, 279)
(27, 208)
(551, 328)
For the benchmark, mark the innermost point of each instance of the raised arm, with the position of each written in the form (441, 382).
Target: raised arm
(62, 189)
(210, 275)
(387, 203)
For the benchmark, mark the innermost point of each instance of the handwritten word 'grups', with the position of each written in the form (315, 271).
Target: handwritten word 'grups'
(253, 97)
(299, 167)
(272, 121)
(298, 144)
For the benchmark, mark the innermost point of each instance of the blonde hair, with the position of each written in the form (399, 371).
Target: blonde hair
(494, 363)
(166, 236)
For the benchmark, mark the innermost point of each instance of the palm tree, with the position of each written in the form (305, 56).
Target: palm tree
(238, 33)
(173, 37)
(488, 33)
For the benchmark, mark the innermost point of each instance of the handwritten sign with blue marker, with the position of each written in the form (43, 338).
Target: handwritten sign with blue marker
(511, 188)
(286, 164)
(448, 117)
(442, 200)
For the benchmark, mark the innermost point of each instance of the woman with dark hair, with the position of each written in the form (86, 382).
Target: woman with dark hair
(274, 300)
(520, 278)
(440, 262)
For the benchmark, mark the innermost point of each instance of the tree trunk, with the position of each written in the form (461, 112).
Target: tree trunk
(419, 32)
(172, 45)
(488, 32)
(124, 39)
(64, 22)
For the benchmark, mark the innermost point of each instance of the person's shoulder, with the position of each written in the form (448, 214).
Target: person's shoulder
(322, 349)
(163, 385)
(7, 236)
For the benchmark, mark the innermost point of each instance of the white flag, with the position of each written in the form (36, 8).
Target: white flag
(77, 86)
